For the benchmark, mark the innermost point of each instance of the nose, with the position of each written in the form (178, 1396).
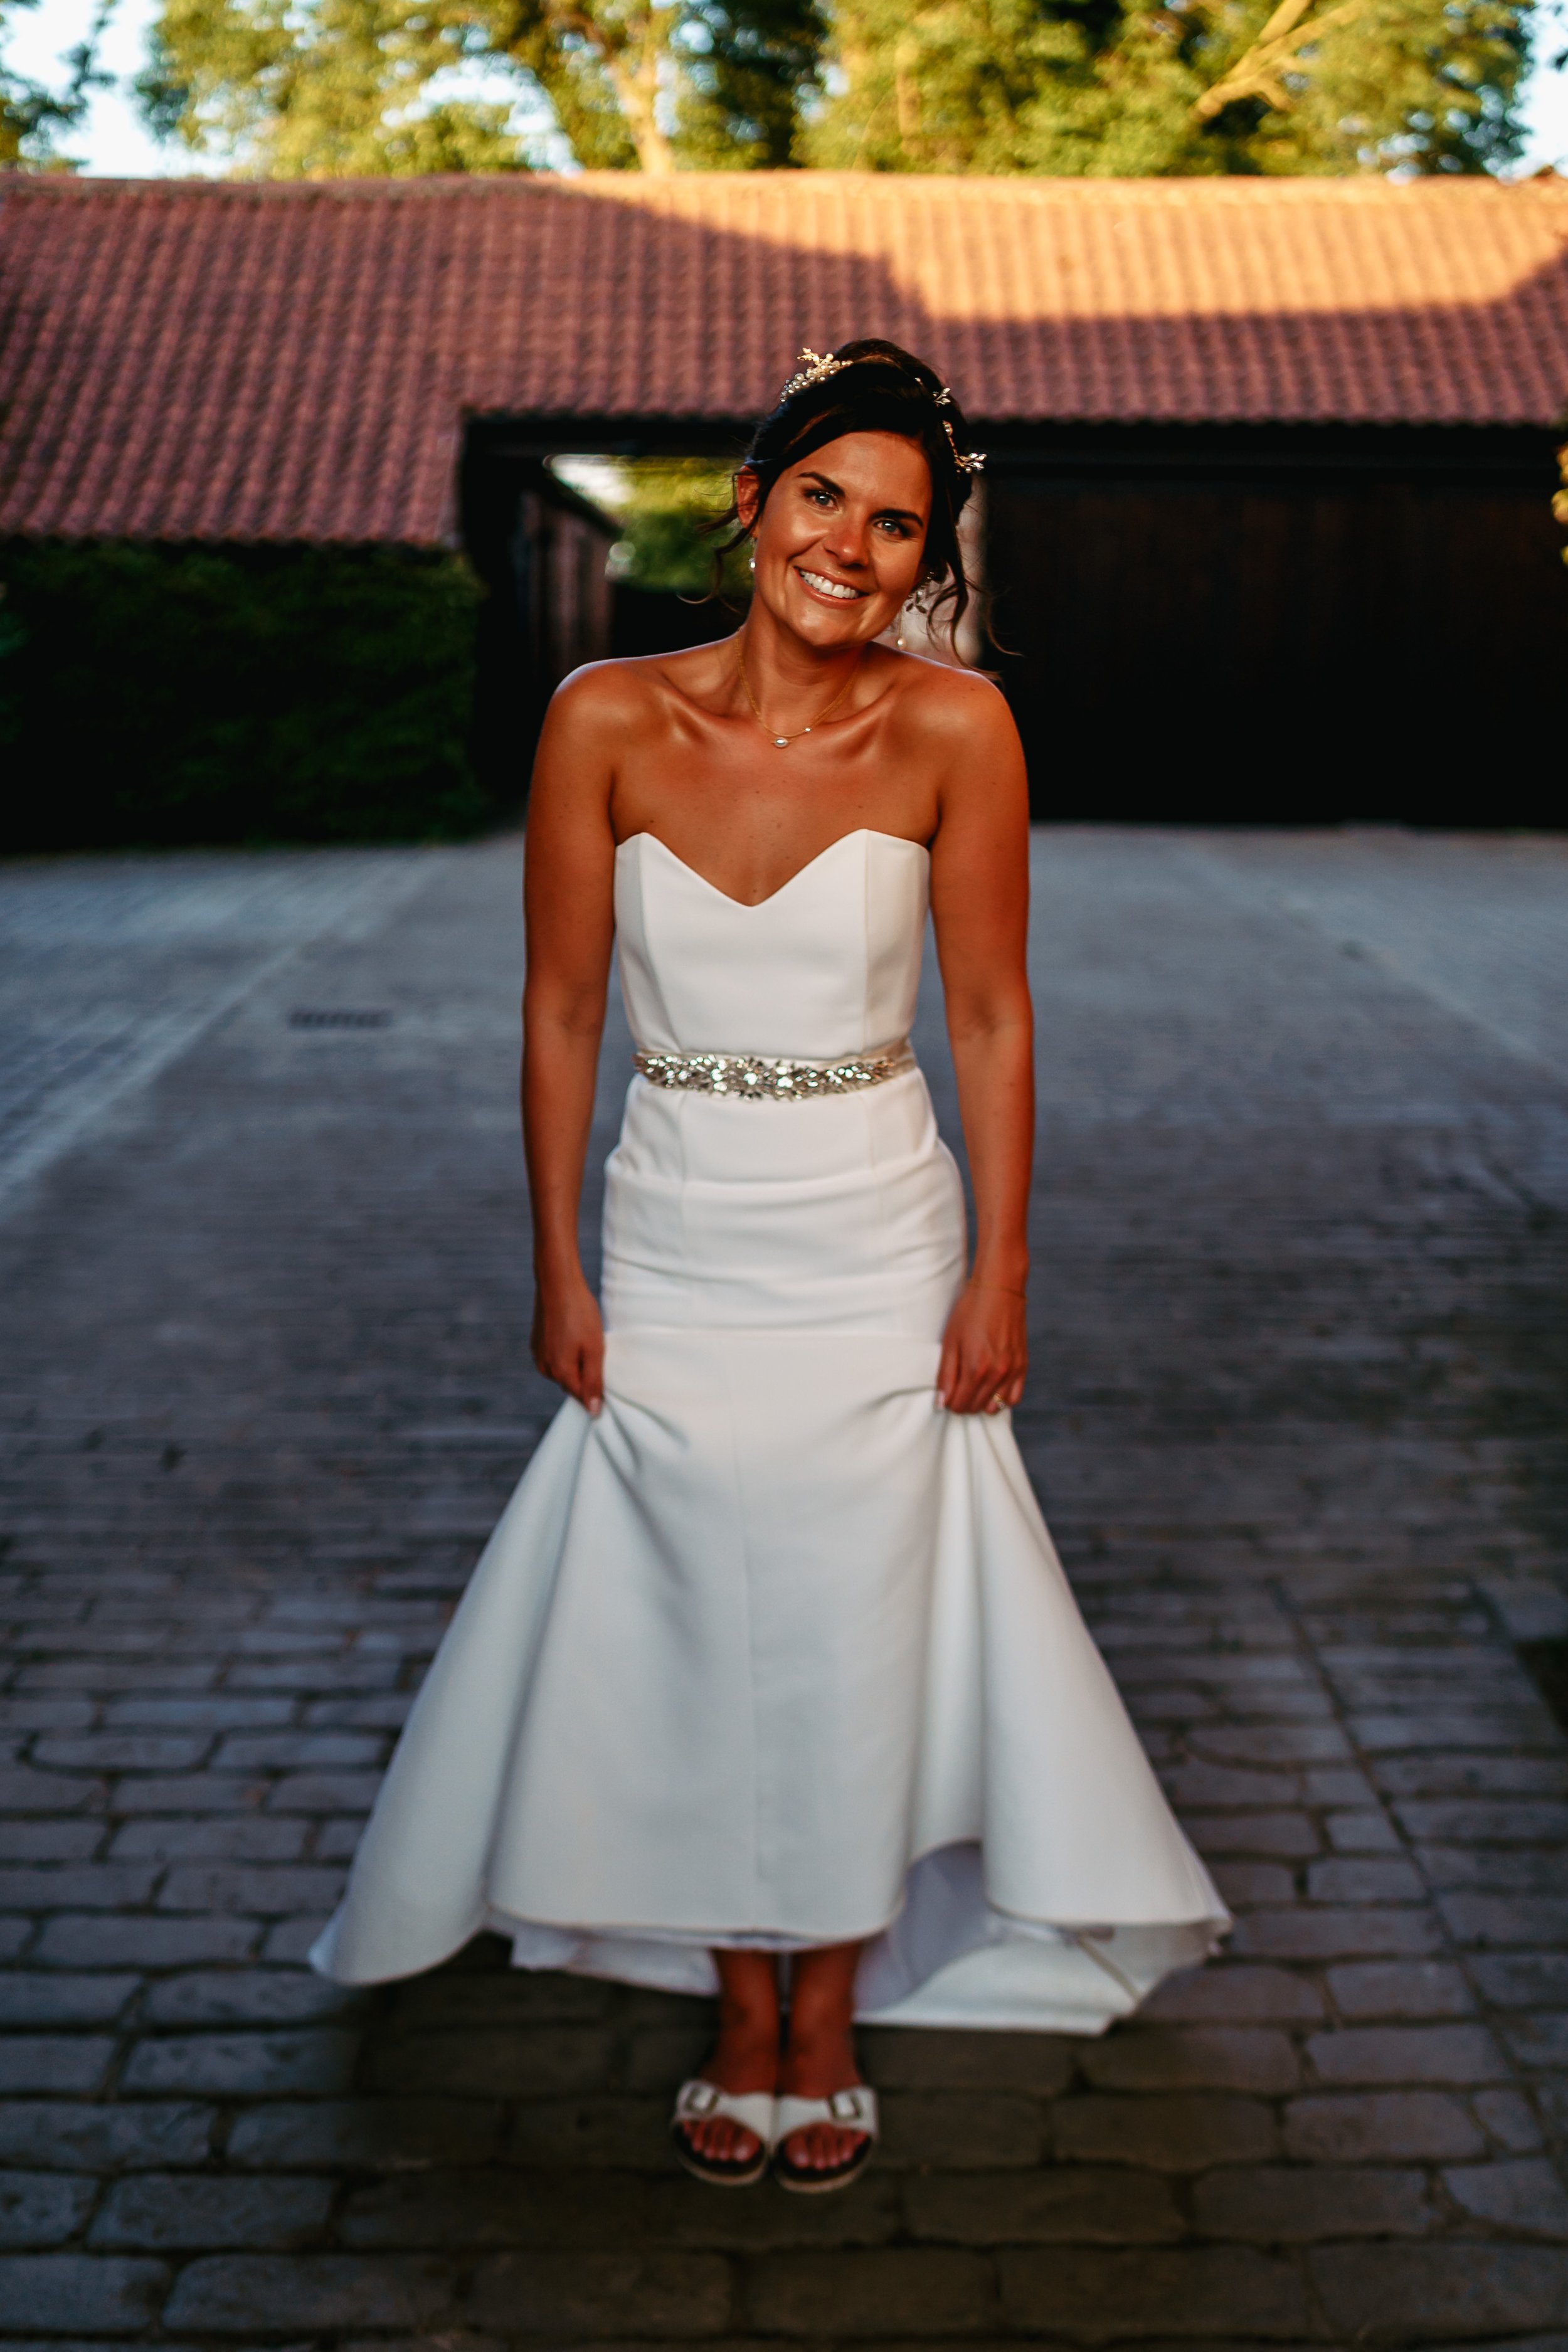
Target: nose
(846, 542)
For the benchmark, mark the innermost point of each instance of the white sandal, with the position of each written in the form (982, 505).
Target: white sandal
(697, 2101)
(853, 2110)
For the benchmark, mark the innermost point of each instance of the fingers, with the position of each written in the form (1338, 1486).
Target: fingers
(983, 1386)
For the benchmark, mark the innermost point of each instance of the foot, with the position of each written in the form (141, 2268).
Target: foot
(745, 2058)
(816, 2063)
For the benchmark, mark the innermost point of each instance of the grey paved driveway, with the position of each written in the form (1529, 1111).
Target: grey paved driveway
(1301, 1364)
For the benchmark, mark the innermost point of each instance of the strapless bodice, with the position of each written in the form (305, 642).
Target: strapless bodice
(827, 967)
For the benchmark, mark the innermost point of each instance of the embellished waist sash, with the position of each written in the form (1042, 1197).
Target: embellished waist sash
(767, 1077)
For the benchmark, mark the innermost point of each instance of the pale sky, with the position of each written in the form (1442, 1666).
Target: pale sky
(112, 142)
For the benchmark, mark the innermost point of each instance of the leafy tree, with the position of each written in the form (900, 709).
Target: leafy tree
(1171, 87)
(32, 115)
(336, 87)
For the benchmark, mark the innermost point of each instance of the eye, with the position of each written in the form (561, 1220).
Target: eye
(894, 527)
(818, 496)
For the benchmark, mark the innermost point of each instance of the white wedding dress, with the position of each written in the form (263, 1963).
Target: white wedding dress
(774, 1652)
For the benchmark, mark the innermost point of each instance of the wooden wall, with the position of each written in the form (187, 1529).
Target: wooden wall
(1284, 625)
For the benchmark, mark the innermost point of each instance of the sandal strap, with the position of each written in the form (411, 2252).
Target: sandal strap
(852, 2110)
(696, 2101)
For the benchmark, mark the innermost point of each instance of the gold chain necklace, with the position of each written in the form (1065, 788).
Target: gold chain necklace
(782, 742)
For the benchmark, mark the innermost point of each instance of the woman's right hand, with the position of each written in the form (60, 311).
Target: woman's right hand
(569, 1338)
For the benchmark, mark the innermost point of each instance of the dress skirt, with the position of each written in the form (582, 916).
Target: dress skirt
(774, 1652)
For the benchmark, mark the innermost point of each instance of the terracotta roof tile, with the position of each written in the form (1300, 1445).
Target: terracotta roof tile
(256, 360)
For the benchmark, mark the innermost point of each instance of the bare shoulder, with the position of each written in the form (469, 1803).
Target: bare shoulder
(614, 694)
(601, 698)
(960, 706)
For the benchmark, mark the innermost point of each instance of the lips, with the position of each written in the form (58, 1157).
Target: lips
(838, 590)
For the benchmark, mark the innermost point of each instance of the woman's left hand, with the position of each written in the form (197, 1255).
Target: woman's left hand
(984, 1352)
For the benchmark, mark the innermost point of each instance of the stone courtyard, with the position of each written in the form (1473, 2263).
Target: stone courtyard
(1301, 1332)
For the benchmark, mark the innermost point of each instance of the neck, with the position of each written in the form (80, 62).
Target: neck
(791, 680)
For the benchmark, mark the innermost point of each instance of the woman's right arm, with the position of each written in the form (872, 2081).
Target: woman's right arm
(568, 901)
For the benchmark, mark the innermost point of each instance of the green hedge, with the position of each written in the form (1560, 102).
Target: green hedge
(198, 694)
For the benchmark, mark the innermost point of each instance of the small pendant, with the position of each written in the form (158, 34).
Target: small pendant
(782, 742)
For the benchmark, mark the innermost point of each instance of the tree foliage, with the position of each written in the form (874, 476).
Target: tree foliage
(169, 694)
(340, 87)
(1114, 87)
(33, 115)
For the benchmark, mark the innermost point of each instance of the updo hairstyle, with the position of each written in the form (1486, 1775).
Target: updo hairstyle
(875, 387)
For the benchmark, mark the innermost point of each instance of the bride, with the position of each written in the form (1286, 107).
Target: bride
(768, 1683)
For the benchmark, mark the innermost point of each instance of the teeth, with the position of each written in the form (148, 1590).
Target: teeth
(830, 587)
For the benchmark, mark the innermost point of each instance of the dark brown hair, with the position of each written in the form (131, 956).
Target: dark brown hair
(877, 387)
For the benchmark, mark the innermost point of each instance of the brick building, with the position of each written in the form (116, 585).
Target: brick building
(1270, 461)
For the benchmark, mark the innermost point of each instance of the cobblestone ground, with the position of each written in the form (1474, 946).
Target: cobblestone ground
(1300, 1371)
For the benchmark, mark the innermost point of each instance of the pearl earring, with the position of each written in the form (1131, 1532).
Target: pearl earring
(899, 640)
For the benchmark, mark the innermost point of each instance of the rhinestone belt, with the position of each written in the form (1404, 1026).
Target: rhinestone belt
(764, 1077)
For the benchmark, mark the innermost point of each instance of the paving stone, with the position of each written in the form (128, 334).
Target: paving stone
(246, 1997)
(71, 2135)
(1362, 1832)
(1280, 2204)
(76, 2294)
(1527, 2195)
(90, 1939)
(1521, 1980)
(1516, 1822)
(54, 2061)
(1283, 1835)
(41, 2208)
(959, 2130)
(368, 2135)
(918, 2291)
(174, 2211)
(262, 2065)
(1354, 2128)
(61, 1837)
(1486, 1920)
(1508, 2119)
(577, 2294)
(1398, 1989)
(1539, 2040)
(100, 1887)
(899, 2059)
(1208, 2058)
(604, 2131)
(1064, 2204)
(1397, 2294)
(540, 2066)
(1182, 2293)
(1181, 2133)
(1407, 2053)
(253, 1887)
(42, 1997)
(1229, 1993)
(225, 2294)
(1347, 1878)
(1336, 1933)
(224, 1837)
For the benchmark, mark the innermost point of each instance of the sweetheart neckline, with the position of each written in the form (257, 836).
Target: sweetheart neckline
(750, 906)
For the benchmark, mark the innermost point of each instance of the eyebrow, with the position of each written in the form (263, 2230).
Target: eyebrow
(826, 482)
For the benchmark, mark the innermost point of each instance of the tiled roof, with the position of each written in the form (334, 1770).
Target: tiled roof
(259, 360)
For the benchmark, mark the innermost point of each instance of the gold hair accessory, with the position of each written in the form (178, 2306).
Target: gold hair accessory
(814, 367)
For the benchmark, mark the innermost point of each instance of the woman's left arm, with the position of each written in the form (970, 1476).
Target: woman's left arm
(980, 902)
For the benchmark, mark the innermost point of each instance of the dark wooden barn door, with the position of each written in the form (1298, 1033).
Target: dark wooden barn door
(1365, 628)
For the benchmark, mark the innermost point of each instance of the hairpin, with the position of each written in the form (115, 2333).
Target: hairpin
(970, 461)
(815, 368)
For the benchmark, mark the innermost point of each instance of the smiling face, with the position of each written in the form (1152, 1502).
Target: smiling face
(841, 541)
